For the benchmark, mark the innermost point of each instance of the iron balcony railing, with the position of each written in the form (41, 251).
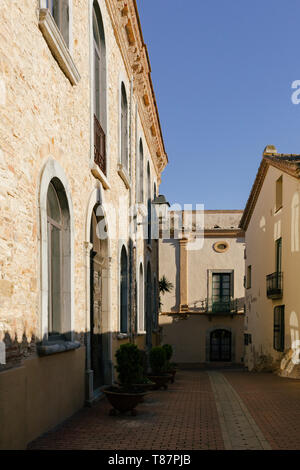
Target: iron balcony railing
(223, 305)
(99, 146)
(274, 285)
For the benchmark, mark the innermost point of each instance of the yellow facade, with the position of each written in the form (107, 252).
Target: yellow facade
(190, 319)
(265, 225)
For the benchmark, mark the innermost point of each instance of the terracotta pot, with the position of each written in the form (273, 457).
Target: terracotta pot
(123, 401)
(160, 380)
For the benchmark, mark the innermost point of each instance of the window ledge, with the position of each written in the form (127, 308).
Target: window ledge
(122, 335)
(124, 175)
(48, 348)
(97, 173)
(58, 46)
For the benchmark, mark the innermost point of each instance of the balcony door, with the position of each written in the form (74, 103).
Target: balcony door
(96, 280)
(221, 291)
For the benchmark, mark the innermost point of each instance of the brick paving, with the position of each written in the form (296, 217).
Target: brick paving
(274, 403)
(182, 417)
(192, 414)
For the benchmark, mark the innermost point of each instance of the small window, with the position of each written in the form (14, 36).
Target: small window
(278, 254)
(221, 247)
(279, 194)
(247, 339)
(60, 12)
(279, 328)
(249, 277)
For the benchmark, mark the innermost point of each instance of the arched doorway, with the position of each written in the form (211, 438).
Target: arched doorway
(148, 308)
(220, 346)
(98, 275)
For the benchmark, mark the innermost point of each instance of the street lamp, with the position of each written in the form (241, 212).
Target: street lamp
(161, 206)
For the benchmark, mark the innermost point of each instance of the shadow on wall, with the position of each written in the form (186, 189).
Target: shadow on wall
(237, 305)
(16, 351)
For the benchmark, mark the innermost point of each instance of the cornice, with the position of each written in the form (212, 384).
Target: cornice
(224, 233)
(127, 29)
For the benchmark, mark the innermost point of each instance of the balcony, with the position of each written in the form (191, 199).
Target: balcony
(99, 146)
(274, 285)
(223, 306)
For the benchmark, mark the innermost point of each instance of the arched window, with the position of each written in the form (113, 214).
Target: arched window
(99, 60)
(58, 240)
(124, 292)
(149, 202)
(60, 11)
(155, 302)
(141, 306)
(124, 127)
(141, 172)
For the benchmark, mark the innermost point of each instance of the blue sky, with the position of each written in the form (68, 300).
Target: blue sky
(222, 72)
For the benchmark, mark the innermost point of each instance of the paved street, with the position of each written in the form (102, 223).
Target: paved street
(215, 409)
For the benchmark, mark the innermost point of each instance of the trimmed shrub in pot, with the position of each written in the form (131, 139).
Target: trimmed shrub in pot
(129, 367)
(158, 375)
(158, 360)
(168, 350)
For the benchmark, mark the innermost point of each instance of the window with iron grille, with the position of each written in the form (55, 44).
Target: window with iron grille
(99, 91)
(279, 328)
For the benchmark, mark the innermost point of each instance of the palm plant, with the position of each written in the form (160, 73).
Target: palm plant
(164, 286)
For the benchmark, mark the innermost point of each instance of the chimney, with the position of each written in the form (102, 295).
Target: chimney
(270, 150)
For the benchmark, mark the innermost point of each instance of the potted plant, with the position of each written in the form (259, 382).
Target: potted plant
(170, 366)
(144, 382)
(158, 374)
(125, 396)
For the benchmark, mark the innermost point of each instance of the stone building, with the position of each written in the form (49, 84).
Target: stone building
(81, 154)
(271, 223)
(203, 316)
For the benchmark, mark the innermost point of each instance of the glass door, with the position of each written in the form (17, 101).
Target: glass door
(221, 292)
